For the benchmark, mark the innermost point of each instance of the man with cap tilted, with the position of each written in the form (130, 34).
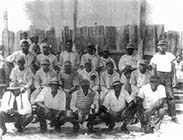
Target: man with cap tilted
(15, 107)
(117, 106)
(51, 105)
(46, 54)
(91, 55)
(42, 78)
(89, 74)
(109, 76)
(106, 58)
(69, 55)
(83, 100)
(140, 77)
(163, 66)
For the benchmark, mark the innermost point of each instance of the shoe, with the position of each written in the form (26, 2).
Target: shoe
(148, 129)
(124, 129)
(174, 119)
(57, 129)
(76, 128)
(111, 126)
(35, 120)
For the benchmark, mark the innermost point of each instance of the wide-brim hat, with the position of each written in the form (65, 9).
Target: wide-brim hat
(54, 81)
(144, 62)
(163, 43)
(116, 83)
(130, 46)
(45, 62)
(85, 82)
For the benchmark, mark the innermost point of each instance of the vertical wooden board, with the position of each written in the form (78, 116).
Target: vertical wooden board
(111, 35)
(51, 37)
(123, 37)
(5, 42)
(11, 41)
(150, 40)
(41, 34)
(66, 33)
(159, 32)
(100, 36)
(133, 36)
(78, 41)
(17, 41)
(173, 38)
(85, 35)
(92, 37)
(33, 31)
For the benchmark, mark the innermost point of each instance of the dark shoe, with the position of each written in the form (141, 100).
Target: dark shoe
(124, 129)
(20, 130)
(111, 126)
(35, 120)
(148, 129)
(76, 128)
(57, 129)
(174, 119)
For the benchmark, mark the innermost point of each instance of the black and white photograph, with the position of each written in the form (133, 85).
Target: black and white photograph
(91, 69)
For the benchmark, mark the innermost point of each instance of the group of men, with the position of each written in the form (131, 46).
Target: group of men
(90, 88)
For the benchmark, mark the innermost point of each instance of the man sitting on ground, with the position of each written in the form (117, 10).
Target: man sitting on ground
(150, 101)
(51, 105)
(15, 107)
(118, 106)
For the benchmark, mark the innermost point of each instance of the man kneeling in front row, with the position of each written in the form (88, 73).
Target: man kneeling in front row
(15, 107)
(117, 106)
(150, 104)
(51, 105)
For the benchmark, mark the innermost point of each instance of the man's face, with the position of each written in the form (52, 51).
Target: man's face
(154, 84)
(130, 51)
(110, 68)
(142, 68)
(46, 50)
(67, 68)
(88, 66)
(16, 92)
(91, 51)
(85, 87)
(178, 58)
(117, 89)
(45, 67)
(162, 48)
(24, 35)
(21, 64)
(25, 47)
(68, 46)
(54, 88)
(105, 54)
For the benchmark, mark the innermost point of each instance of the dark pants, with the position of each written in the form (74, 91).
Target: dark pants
(21, 121)
(57, 118)
(166, 80)
(103, 116)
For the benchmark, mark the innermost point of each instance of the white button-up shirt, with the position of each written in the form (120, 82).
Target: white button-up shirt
(58, 102)
(114, 104)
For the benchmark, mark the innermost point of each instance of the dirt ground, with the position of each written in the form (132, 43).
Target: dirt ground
(168, 130)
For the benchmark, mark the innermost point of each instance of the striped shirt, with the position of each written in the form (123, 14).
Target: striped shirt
(81, 102)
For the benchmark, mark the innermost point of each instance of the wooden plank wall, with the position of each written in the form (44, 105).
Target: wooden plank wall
(112, 38)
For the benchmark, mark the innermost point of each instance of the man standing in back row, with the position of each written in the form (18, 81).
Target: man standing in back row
(162, 63)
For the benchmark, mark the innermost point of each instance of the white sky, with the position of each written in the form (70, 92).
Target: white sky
(168, 12)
